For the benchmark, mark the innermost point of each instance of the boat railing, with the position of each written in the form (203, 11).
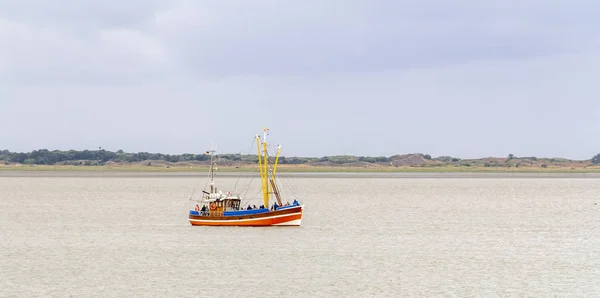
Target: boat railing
(242, 211)
(206, 213)
(221, 213)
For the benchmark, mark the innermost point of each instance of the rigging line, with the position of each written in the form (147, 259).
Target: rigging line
(294, 190)
(258, 191)
(206, 183)
(240, 166)
(291, 193)
(248, 185)
(208, 174)
(289, 186)
(247, 201)
(252, 176)
(196, 188)
(194, 191)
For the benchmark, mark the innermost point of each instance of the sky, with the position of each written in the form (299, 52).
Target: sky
(466, 78)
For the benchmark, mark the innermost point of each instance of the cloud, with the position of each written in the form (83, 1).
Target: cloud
(148, 40)
(60, 44)
(466, 78)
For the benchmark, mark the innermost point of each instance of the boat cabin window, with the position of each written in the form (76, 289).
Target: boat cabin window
(233, 204)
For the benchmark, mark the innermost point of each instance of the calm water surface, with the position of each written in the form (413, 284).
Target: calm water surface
(374, 237)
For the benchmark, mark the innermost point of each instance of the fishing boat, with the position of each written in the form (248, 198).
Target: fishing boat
(216, 208)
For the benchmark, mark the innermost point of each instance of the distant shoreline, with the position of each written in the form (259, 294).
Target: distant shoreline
(295, 169)
(103, 160)
(100, 174)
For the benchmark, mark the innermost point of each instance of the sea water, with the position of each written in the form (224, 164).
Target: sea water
(362, 235)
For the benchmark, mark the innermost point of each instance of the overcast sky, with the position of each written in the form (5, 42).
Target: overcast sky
(465, 78)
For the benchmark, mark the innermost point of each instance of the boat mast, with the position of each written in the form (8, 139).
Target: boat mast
(263, 163)
(266, 160)
(212, 170)
(267, 174)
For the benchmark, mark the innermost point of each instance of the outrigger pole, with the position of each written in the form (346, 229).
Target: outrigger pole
(275, 190)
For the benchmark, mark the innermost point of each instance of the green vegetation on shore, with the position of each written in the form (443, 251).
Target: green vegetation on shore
(104, 160)
(309, 169)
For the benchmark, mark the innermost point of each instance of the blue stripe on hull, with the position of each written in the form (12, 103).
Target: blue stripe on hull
(245, 212)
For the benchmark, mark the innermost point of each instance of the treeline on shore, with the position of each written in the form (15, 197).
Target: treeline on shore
(102, 156)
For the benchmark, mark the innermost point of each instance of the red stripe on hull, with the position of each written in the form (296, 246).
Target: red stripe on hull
(256, 222)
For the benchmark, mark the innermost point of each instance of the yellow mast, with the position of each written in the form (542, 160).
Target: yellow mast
(276, 161)
(263, 163)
